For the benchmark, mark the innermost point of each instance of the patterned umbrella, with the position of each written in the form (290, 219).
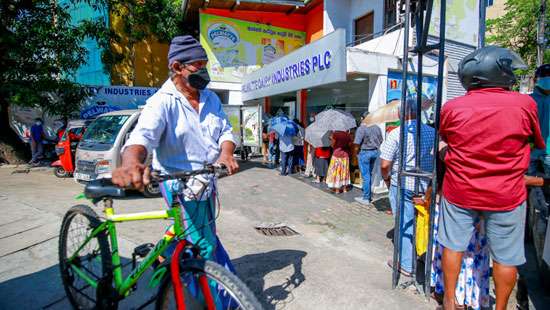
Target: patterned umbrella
(335, 120)
(316, 136)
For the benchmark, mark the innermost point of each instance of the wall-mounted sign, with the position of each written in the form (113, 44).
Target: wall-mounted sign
(105, 99)
(318, 63)
(237, 47)
(102, 99)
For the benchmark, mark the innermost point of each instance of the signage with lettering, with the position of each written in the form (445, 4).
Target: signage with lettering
(105, 99)
(237, 47)
(318, 63)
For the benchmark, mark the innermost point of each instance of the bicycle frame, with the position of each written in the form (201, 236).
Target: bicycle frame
(124, 285)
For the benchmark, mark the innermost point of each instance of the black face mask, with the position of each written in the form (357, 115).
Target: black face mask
(199, 79)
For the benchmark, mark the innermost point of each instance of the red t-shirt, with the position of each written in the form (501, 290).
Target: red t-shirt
(322, 152)
(488, 132)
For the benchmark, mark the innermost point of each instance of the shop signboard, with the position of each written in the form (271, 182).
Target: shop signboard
(236, 47)
(105, 99)
(102, 99)
(461, 23)
(429, 91)
(318, 63)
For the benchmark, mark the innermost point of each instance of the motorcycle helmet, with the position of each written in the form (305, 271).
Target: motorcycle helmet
(543, 71)
(489, 66)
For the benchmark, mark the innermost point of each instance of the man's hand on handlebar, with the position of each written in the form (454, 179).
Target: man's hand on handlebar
(134, 175)
(229, 162)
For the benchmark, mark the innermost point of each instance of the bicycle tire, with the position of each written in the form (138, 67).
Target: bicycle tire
(75, 296)
(214, 272)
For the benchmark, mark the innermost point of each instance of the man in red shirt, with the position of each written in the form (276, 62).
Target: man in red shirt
(488, 132)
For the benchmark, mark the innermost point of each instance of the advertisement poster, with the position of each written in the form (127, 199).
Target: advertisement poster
(462, 21)
(252, 126)
(429, 91)
(236, 47)
(233, 113)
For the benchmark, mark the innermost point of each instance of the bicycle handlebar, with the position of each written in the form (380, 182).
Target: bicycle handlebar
(216, 169)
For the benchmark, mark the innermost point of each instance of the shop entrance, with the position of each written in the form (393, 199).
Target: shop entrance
(351, 96)
(285, 103)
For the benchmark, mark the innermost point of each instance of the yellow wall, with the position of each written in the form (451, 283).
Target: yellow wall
(497, 9)
(145, 64)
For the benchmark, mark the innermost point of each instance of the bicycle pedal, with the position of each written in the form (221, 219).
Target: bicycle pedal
(143, 250)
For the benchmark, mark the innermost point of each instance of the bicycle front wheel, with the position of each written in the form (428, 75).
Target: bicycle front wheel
(225, 289)
(93, 260)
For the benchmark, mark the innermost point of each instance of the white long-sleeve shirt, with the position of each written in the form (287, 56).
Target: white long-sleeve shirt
(178, 135)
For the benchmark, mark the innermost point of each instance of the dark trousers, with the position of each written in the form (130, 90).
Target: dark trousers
(287, 161)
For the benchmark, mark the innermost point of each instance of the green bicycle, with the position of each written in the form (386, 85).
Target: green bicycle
(91, 268)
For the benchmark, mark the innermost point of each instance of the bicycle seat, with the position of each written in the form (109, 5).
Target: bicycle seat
(102, 188)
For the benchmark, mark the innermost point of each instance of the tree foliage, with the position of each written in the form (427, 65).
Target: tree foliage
(40, 50)
(41, 46)
(140, 20)
(517, 29)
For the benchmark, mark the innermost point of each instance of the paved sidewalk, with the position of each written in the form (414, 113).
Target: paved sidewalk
(336, 262)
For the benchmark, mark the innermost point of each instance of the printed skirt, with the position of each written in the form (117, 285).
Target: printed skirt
(338, 174)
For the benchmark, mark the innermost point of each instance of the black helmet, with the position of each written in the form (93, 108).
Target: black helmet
(489, 66)
(543, 71)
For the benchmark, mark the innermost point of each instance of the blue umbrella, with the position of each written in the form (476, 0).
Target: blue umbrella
(278, 119)
(283, 126)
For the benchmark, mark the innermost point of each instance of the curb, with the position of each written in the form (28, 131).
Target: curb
(26, 167)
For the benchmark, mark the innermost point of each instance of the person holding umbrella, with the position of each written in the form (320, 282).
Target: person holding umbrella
(287, 154)
(338, 176)
(285, 130)
(331, 128)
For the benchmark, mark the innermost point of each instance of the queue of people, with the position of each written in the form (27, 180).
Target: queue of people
(480, 210)
(481, 206)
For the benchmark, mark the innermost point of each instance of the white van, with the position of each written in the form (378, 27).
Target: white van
(98, 152)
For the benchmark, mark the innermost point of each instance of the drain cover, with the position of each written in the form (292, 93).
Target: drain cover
(275, 229)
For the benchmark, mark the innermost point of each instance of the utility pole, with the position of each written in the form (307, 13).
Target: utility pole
(541, 33)
(482, 17)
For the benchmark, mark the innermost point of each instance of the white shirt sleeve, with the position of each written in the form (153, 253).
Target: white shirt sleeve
(150, 126)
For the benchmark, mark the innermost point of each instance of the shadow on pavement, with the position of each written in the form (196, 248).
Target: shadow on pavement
(43, 290)
(32, 291)
(253, 268)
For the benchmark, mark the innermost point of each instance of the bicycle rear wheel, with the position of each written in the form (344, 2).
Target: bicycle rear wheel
(227, 291)
(94, 260)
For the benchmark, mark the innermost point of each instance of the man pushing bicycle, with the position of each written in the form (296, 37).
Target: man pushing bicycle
(184, 127)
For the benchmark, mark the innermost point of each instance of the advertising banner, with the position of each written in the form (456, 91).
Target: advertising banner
(429, 91)
(318, 63)
(462, 21)
(236, 47)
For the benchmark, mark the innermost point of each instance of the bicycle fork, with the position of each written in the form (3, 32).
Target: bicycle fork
(176, 280)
